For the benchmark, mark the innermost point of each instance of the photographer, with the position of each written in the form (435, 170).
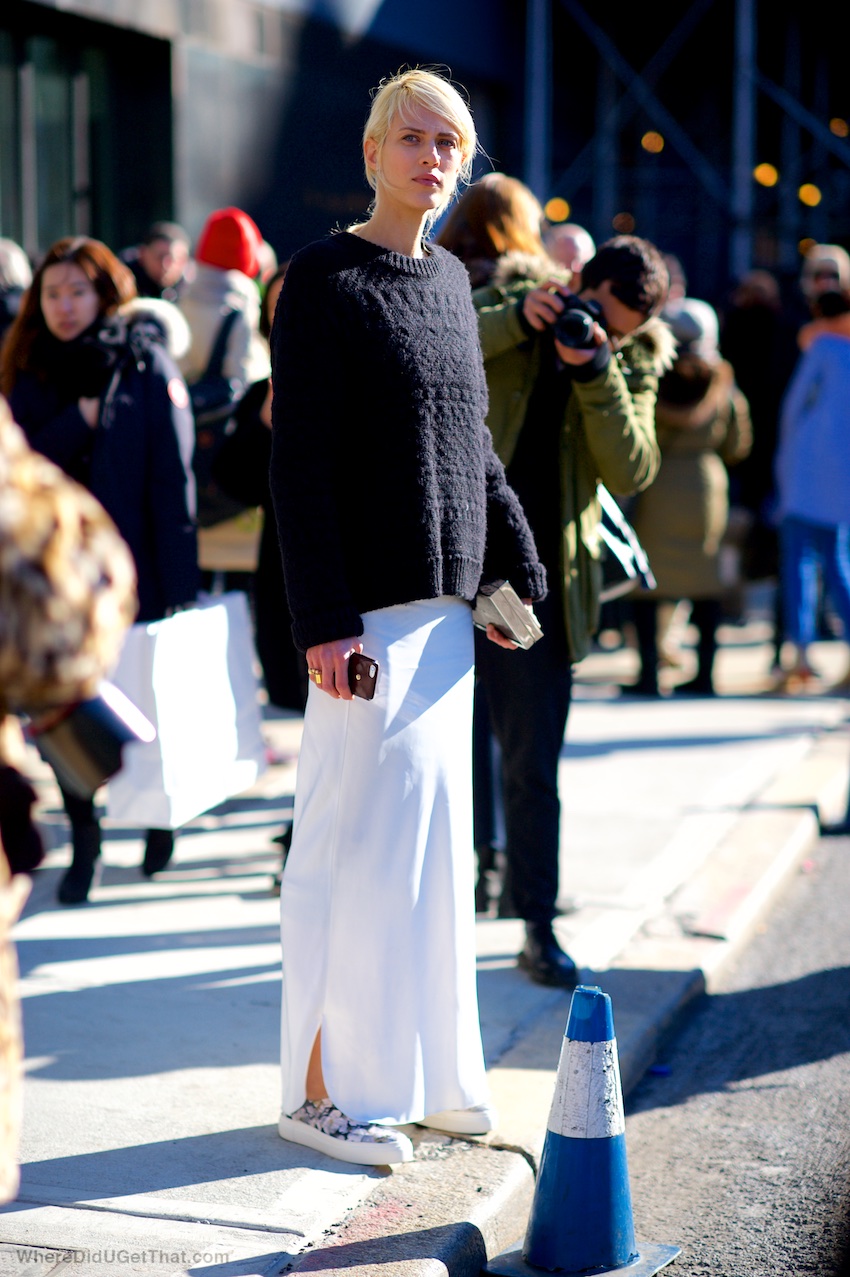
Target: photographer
(563, 418)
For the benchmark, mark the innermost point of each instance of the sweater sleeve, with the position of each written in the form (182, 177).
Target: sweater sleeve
(308, 421)
(511, 554)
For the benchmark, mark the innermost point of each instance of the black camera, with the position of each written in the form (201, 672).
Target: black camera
(574, 325)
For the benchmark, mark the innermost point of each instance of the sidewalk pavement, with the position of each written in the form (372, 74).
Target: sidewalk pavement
(151, 1015)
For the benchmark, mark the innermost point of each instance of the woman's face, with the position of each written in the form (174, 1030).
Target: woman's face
(417, 167)
(69, 301)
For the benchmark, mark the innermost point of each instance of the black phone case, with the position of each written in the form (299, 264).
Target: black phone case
(362, 675)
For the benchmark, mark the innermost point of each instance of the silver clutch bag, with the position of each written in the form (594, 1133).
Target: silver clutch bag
(499, 604)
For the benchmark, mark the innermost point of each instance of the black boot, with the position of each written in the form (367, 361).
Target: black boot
(544, 960)
(705, 615)
(158, 849)
(77, 881)
(645, 617)
(506, 907)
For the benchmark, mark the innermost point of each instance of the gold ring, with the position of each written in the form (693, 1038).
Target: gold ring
(317, 675)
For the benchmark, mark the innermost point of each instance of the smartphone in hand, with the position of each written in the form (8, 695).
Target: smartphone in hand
(362, 675)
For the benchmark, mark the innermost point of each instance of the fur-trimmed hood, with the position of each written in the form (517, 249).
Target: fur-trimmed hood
(519, 268)
(655, 336)
(146, 320)
(717, 386)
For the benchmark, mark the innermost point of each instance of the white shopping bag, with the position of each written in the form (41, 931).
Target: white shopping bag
(193, 676)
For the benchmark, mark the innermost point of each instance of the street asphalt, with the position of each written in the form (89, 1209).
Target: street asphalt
(151, 1015)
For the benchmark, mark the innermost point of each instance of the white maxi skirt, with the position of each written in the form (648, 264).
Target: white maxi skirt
(377, 898)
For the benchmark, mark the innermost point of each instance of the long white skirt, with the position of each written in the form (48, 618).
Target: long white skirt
(377, 900)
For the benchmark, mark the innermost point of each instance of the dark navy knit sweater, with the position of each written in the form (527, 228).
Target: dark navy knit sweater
(385, 485)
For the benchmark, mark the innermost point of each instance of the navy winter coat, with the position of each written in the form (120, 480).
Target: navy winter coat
(138, 460)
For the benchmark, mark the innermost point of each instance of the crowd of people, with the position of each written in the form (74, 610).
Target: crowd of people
(512, 367)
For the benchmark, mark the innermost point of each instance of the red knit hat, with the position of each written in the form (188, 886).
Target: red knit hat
(230, 240)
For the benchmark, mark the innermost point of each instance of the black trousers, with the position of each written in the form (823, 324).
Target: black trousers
(528, 700)
(705, 616)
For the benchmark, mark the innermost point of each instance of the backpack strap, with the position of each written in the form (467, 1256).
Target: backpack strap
(216, 359)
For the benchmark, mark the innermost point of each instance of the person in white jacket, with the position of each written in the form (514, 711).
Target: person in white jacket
(228, 263)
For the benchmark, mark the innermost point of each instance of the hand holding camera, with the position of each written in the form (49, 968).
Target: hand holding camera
(579, 326)
(542, 305)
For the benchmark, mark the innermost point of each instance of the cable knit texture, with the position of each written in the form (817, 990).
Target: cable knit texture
(385, 483)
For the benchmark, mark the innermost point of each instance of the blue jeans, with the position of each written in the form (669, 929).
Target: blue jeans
(809, 550)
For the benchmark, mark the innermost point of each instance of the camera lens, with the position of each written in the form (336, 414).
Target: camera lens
(575, 328)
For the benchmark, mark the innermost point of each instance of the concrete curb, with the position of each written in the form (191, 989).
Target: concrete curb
(445, 1212)
(411, 1221)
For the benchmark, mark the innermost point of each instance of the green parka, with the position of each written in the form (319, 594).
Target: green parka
(608, 430)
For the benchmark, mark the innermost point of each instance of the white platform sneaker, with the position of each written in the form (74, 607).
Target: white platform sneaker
(479, 1120)
(322, 1126)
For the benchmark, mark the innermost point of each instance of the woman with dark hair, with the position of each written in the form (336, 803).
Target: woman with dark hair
(496, 216)
(89, 373)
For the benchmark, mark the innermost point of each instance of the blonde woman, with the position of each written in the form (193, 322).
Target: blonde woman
(392, 508)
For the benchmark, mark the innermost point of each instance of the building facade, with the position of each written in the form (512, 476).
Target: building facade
(115, 113)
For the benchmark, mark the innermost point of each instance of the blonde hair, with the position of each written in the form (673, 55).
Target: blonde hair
(401, 94)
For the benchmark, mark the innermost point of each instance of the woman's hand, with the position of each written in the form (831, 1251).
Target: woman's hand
(542, 306)
(89, 411)
(327, 666)
(502, 640)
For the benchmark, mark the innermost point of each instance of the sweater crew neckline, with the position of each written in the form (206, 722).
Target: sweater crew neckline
(427, 267)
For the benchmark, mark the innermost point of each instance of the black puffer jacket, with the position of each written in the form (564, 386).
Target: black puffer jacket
(138, 460)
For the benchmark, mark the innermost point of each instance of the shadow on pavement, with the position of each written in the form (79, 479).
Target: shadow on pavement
(35, 953)
(213, 1019)
(624, 744)
(461, 1244)
(760, 1032)
(180, 1163)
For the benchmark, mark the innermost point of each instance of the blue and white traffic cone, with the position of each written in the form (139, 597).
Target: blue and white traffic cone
(581, 1216)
